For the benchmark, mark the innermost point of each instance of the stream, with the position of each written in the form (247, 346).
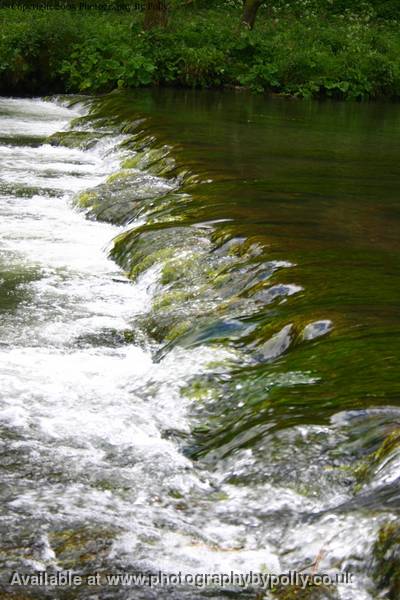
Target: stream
(199, 342)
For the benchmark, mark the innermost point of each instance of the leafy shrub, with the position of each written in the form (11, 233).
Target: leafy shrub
(98, 66)
(324, 53)
(31, 49)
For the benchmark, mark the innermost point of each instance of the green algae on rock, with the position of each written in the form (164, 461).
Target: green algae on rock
(370, 465)
(387, 560)
(311, 592)
(83, 140)
(86, 545)
(122, 197)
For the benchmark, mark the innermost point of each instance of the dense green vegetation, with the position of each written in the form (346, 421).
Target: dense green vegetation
(317, 48)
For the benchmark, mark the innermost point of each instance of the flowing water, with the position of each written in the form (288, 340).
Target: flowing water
(199, 341)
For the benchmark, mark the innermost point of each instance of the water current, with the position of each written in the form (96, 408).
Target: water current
(199, 342)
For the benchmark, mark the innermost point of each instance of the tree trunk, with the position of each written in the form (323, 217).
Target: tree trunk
(155, 14)
(250, 12)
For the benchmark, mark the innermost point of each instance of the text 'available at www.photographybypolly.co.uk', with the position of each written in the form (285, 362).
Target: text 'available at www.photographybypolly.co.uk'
(252, 579)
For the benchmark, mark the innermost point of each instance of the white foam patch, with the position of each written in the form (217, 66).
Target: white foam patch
(85, 418)
(32, 117)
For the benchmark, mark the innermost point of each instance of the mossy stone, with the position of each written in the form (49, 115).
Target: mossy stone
(390, 444)
(86, 199)
(169, 298)
(387, 560)
(367, 467)
(73, 139)
(177, 330)
(132, 163)
(123, 174)
(148, 261)
(82, 545)
(311, 592)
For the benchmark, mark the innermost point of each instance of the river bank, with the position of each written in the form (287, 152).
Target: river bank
(298, 50)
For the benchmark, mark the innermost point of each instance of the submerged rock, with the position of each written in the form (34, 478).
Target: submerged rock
(378, 464)
(122, 197)
(74, 139)
(387, 560)
(75, 548)
(309, 593)
(278, 344)
(316, 329)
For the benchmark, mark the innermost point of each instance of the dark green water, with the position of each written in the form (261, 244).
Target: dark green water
(315, 184)
(236, 404)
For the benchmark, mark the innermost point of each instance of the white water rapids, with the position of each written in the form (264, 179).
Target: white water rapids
(84, 419)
